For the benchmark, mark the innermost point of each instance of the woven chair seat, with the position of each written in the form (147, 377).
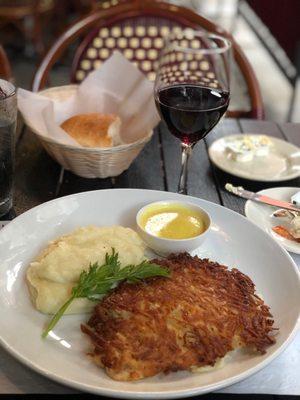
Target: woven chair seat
(141, 39)
(137, 29)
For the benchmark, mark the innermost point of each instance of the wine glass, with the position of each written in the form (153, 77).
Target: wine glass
(191, 89)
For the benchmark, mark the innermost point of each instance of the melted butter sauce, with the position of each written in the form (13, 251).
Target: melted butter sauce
(172, 221)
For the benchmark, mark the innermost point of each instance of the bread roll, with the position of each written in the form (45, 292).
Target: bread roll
(94, 130)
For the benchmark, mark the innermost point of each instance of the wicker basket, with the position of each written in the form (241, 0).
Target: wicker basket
(89, 162)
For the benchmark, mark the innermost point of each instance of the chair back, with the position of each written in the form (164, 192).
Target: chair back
(138, 29)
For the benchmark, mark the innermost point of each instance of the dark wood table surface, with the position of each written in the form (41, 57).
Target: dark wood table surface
(38, 179)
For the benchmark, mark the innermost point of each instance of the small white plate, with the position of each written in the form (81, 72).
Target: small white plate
(281, 164)
(261, 215)
(233, 240)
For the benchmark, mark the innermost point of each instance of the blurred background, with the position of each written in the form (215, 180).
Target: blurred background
(267, 30)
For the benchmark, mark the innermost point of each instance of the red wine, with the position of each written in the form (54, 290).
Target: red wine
(191, 111)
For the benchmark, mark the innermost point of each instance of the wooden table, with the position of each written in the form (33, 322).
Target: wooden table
(38, 179)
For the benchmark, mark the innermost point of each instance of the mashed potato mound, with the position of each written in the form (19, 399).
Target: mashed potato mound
(57, 269)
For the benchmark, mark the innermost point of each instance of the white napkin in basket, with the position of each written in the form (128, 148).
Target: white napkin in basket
(118, 87)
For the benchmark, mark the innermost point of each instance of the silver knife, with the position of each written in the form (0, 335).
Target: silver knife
(260, 198)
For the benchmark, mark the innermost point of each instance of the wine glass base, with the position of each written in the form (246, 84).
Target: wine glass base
(182, 191)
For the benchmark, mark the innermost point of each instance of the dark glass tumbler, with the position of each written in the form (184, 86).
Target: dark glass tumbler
(8, 117)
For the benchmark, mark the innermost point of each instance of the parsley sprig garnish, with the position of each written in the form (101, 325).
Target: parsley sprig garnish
(100, 279)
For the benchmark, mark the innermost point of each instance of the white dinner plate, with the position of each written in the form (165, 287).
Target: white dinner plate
(281, 164)
(261, 215)
(233, 241)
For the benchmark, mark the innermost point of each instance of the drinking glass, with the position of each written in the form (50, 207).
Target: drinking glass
(8, 116)
(191, 89)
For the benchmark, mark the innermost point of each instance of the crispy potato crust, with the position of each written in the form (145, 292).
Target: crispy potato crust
(169, 324)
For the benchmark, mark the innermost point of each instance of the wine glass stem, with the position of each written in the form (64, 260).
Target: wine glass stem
(186, 151)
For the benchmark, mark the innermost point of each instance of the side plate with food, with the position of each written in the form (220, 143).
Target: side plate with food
(282, 225)
(256, 157)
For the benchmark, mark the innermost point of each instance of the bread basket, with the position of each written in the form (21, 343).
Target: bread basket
(88, 162)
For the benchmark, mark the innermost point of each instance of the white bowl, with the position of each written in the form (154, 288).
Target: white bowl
(163, 246)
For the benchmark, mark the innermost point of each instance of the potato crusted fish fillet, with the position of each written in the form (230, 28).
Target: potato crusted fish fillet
(191, 319)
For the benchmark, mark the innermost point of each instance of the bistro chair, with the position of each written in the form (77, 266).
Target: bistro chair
(137, 29)
(5, 69)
